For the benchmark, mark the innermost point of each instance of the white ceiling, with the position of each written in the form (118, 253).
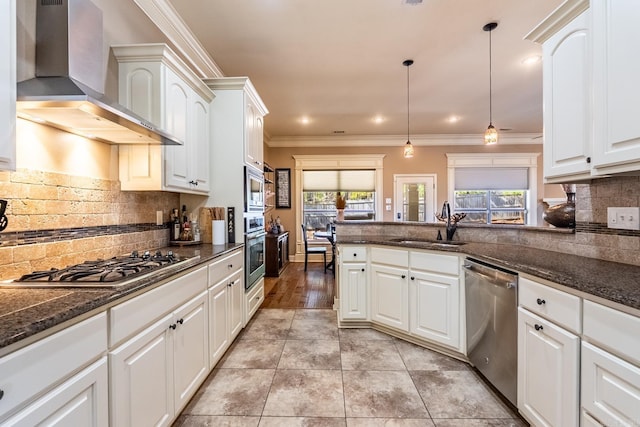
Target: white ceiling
(339, 62)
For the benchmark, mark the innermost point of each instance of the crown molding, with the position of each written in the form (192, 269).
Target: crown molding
(166, 18)
(557, 20)
(399, 140)
(238, 83)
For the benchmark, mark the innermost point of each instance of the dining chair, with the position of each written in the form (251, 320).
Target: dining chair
(312, 250)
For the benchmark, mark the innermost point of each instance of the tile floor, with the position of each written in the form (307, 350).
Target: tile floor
(294, 367)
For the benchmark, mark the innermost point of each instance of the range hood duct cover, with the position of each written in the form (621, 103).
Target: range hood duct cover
(67, 92)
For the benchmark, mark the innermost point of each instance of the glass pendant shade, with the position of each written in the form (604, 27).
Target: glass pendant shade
(491, 136)
(408, 150)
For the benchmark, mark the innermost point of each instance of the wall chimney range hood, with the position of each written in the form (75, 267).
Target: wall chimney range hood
(67, 92)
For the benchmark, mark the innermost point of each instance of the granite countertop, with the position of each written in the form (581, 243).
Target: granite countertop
(25, 312)
(589, 277)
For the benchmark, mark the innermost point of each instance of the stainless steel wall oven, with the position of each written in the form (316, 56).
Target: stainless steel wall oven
(254, 254)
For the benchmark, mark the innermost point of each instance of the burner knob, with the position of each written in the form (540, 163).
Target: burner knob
(158, 254)
(146, 255)
(134, 254)
(170, 255)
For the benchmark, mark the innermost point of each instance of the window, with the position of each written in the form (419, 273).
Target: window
(320, 191)
(493, 188)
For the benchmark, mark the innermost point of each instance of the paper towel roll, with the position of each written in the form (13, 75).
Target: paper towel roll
(218, 232)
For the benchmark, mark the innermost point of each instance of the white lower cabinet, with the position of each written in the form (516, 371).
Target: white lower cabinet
(390, 296)
(353, 291)
(252, 300)
(548, 372)
(155, 373)
(82, 400)
(435, 307)
(610, 388)
(226, 299)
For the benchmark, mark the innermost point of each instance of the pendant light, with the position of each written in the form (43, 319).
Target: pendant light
(408, 148)
(491, 135)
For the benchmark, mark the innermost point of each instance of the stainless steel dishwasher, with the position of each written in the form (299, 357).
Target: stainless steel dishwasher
(492, 330)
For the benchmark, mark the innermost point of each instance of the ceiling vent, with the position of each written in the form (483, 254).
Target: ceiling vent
(412, 2)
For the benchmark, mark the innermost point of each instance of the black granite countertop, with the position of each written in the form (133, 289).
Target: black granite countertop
(610, 281)
(25, 312)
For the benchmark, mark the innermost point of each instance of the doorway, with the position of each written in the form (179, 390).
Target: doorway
(415, 197)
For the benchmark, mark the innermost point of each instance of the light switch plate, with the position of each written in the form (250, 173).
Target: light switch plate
(388, 208)
(623, 218)
(387, 200)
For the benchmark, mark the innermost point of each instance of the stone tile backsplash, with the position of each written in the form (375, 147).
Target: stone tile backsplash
(57, 220)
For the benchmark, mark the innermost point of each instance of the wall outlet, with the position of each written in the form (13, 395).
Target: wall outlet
(624, 218)
(159, 218)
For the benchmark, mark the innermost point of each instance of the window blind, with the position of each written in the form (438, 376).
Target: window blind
(338, 180)
(491, 179)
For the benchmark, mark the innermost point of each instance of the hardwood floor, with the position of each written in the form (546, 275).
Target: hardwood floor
(296, 288)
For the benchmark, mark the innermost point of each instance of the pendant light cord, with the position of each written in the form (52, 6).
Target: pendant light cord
(408, 101)
(490, 80)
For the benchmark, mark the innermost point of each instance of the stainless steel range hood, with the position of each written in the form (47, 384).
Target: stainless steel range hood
(67, 92)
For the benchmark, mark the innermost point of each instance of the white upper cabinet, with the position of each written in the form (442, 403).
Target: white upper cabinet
(567, 106)
(238, 117)
(590, 87)
(8, 86)
(157, 85)
(616, 67)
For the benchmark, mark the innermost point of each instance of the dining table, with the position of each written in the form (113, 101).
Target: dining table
(331, 237)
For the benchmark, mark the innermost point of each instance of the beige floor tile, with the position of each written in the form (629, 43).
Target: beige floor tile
(306, 393)
(301, 422)
(266, 328)
(310, 354)
(371, 356)
(232, 392)
(253, 354)
(274, 313)
(306, 329)
(321, 314)
(458, 394)
(381, 394)
(216, 421)
(389, 422)
(363, 334)
(418, 358)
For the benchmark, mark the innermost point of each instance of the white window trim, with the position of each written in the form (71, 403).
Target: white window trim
(497, 160)
(335, 162)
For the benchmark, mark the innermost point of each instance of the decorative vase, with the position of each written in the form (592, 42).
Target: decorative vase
(562, 215)
(340, 215)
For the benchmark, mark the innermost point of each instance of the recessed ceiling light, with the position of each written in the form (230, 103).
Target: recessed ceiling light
(453, 119)
(531, 60)
(305, 120)
(378, 119)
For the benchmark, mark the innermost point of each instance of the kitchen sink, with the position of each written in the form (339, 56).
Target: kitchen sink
(430, 243)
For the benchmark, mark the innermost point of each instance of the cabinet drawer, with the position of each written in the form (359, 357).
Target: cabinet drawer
(557, 306)
(226, 265)
(253, 300)
(429, 261)
(353, 253)
(395, 257)
(612, 329)
(136, 314)
(33, 369)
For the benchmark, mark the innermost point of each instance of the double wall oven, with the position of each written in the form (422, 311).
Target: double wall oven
(254, 232)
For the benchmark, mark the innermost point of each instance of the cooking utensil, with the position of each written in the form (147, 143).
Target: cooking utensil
(4, 221)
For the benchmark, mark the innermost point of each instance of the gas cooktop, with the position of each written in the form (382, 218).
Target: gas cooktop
(112, 272)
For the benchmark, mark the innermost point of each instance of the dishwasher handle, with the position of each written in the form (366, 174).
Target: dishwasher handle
(509, 284)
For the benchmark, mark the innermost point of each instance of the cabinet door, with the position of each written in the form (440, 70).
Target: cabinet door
(548, 367)
(567, 100)
(8, 86)
(218, 322)
(435, 307)
(142, 379)
(200, 141)
(610, 387)
(390, 296)
(236, 305)
(191, 347)
(353, 291)
(82, 400)
(616, 36)
(177, 98)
